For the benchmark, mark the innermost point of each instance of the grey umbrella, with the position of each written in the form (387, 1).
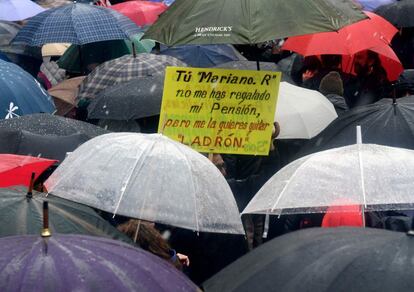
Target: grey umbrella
(135, 99)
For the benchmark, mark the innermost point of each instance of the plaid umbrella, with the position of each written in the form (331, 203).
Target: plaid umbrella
(52, 3)
(77, 24)
(124, 69)
(8, 31)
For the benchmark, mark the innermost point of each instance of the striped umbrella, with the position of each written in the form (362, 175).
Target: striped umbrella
(77, 24)
(124, 69)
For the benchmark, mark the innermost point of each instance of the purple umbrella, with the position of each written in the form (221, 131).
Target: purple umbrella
(371, 5)
(13, 10)
(83, 263)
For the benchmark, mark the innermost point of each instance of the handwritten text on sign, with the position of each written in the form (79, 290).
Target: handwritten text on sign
(220, 110)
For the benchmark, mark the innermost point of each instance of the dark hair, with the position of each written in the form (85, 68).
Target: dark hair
(311, 63)
(149, 238)
(331, 61)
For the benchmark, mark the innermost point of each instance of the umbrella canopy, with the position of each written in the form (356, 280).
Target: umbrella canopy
(13, 10)
(388, 58)
(124, 69)
(203, 56)
(17, 169)
(248, 21)
(324, 259)
(371, 5)
(372, 32)
(398, 13)
(385, 123)
(77, 24)
(64, 94)
(8, 31)
(83, 263)
(149, 177)
(21, 214)
(135, 99)
(302, 113)
(20, 93)
(141, 12)
(45, 124)
(251, 65)
(53, 3)
(56, 49)
(377, 177)
(100, 52)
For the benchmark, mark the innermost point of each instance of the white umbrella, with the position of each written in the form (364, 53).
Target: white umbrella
(375, 177)
(302, 113)
(149, 177)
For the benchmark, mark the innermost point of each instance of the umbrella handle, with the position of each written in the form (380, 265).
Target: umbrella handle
(29, 194)
(45, 229)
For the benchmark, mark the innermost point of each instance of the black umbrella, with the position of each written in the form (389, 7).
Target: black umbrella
(251, 65)
(45, 135)
(135, 99)
(385, 123)
(324, 259)
(398, 13)
(21, 214)
(46, 124)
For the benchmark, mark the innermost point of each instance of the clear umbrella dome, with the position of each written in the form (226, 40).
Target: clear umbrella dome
(379, 177)
(150, 177)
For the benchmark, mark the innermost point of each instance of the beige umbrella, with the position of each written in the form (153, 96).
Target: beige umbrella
(64, 94)
(54, 49)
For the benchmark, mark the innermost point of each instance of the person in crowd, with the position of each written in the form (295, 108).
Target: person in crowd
(50, 73)
(405, 84)
(149, 238)
(332, 87)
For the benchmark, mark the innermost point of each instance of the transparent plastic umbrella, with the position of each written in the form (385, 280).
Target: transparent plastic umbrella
(375, 177)
(150, 177)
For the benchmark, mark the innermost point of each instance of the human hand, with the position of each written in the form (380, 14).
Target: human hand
(184, 260)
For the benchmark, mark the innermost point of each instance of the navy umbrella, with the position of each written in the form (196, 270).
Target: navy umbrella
(20, 93)
(77, 24)
(203, 56)
(385, 123)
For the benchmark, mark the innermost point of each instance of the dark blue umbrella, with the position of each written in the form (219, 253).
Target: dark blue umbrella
(4, 57)
(77, 24)
(203, 56)
(20, 93)
(83, 263)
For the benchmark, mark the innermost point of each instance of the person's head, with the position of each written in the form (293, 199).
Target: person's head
(331, 62)
(219, 163)
(332, 84)
(365, 62)
(311, 63)
(148, 238)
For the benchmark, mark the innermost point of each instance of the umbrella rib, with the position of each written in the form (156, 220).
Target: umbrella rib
(288, 182)
(130, 175)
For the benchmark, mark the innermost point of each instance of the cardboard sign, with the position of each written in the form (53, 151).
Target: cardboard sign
(220, 110)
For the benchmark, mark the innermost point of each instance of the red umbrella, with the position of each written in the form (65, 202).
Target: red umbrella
(17, 169)
(343, 216)
(353, 38)
(389, 61)
(141, 12)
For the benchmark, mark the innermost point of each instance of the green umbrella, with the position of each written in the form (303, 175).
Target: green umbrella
(100, 52)
(249, 21)
(20, 214)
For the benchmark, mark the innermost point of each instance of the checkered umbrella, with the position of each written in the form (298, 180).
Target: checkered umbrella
(77, 24)
(124, 69)
(8, 31)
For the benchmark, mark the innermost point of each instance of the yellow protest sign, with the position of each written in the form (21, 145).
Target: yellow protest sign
(220, 110)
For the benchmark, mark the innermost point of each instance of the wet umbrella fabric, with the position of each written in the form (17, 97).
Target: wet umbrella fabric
(324, 259)
(371, 5)
(100, 52)
(8, 31)
(83, 263)
(20, 93)
(248, 22)
(376, 177)
(72, 24)
(203, 56)
(20, 215)
(64, 94)
(398, 13)
(53, 3)
(302, 113)
(124, 69)
(365, 34)
(141, 12)
(14, 10)
(135, 99)
(17, 169)
(150, 177)
(383, 123)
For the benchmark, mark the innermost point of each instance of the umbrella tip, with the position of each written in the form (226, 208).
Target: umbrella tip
(410, 233)
(45, 230)
(29, 194)
(358, 134)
